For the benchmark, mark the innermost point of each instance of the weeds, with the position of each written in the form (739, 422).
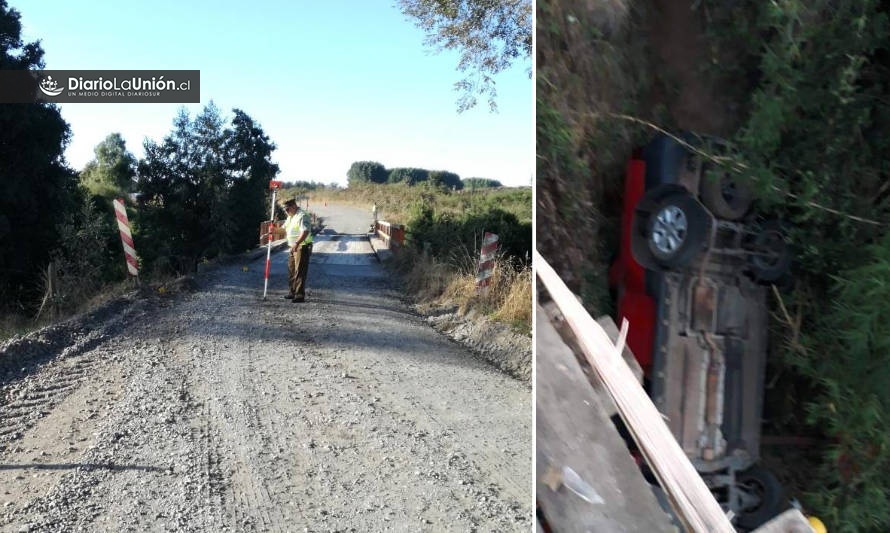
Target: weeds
(396, 201)
(440, 283)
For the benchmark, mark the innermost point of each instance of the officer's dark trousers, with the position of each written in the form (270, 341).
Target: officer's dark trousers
(298, 267)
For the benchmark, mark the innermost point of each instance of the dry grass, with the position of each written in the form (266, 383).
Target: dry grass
(14, 324)
(64, 301)
(516, 307)
(591, 64)
(425, 278)
(434, 283)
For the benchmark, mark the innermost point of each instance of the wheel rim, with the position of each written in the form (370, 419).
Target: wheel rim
(669, 230)
(756, 489)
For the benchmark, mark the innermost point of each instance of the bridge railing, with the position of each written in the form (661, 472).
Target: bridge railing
(392, 234)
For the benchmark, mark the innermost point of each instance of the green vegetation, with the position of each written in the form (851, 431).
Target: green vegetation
(408, 175)
(203, 190)
(363, 172)
(367, 172)
(399, 201)
(806, 84)
(113, 172)
(36, 186)
(813, 145)
(590, 66)
(444, 231)
(444, 237)
(489, 34)
(480, 183)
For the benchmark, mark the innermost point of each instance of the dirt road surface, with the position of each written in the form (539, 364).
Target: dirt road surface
(213, 410)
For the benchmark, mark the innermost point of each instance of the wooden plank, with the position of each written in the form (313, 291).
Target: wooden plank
(574, 430)
(691, 499)
(568, 337)
(612, 331)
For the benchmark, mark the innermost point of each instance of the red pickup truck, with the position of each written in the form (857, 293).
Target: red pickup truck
(690, 277)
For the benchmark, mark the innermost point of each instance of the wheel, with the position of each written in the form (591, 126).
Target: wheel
(765, 497)
(725, 196)
(677, 230)
(771, 260)
(664, 158)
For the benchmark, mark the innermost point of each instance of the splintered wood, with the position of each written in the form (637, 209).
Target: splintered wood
(690, 498)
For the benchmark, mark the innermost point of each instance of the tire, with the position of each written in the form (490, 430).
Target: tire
(665, 158)
(677, 230)
(762, 483)
(725, 196)
(771, 239)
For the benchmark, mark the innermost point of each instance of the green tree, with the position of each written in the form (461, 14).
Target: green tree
(250, 150)
(36, 186)
(490, 35)
(408, 175)
(113, 171)
(367, 172)
(203, 189)
(171, 219)
(480, 183)
(445, 179)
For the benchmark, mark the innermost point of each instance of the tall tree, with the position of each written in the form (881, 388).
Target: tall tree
(367, 172)
(203, 189)
(36, 185)
(480, 183)
(490, 35)
(445, 179)
(408, 175)
(250, 151)
(113, 170)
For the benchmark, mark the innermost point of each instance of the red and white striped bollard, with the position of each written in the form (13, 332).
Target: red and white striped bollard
(486, 261)
(120, 212)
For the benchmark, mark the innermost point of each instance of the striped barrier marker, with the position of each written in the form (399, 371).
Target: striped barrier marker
(486, 261)
(126, 237)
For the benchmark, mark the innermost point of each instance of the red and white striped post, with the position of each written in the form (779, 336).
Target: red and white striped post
(120, 212)
(274, 185)
(486, 261)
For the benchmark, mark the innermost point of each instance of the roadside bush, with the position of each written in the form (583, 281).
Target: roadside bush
(816, 76)
(444, 233)
(848, 355)
(88, 258)
(434, 281)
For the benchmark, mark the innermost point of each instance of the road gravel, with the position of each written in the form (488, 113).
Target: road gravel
(208, 408)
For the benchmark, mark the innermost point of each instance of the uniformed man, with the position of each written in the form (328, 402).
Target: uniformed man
(298, 230)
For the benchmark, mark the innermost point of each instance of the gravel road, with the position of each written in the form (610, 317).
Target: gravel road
(214, 410)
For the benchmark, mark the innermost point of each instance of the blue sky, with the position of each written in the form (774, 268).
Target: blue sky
(330, 82)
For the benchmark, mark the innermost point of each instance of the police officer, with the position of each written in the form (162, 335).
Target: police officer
(298, 230)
